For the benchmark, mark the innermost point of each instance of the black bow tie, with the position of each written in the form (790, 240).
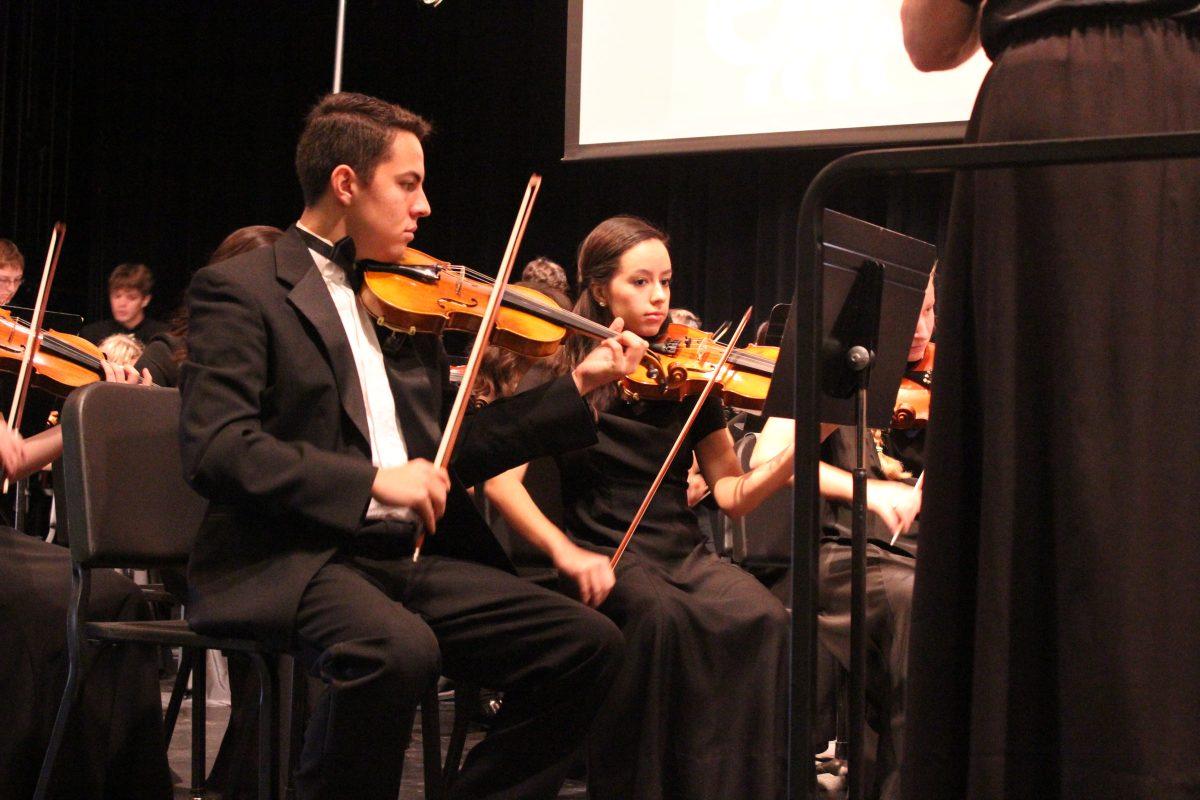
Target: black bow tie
(340, 253)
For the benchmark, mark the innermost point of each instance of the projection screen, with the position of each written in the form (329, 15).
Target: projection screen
(667, 76)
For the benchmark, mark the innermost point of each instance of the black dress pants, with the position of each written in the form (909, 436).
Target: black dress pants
(889, 616)
(379, 631)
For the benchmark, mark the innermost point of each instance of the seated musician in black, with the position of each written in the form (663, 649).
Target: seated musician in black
(309, 430)
(894, 500)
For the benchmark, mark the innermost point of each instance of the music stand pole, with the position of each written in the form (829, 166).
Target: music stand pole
(859, 360)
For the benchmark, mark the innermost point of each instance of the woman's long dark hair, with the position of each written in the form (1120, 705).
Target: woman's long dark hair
(597, 261)
(501, 370)
(243, 240)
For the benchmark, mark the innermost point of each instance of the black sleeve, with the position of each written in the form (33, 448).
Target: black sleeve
(547, 419)
(711, 418)
(159, 359)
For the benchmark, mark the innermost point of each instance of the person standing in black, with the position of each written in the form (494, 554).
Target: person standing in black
(308, 429)
(1056, 634)
(698, 707)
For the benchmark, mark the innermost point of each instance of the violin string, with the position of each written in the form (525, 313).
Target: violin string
(63, 349)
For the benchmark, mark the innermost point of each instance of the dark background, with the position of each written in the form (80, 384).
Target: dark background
(156, 127)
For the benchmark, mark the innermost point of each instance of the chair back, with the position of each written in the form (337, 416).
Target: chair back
(764, 536)
(126, 502)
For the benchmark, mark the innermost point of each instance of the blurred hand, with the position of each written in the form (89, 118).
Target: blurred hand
(611, 360)
(590, 572)
(418, 485)
(896, 503)
(12, 450)
(117, 373)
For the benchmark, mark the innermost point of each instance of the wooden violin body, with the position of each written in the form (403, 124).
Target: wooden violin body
(912, 401)
(689, 357)
(425, 295)
(63, 362)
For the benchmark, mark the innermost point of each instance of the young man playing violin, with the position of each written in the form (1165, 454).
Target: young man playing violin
(309, 430)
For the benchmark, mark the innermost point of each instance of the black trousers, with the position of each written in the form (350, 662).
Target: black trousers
(379, 631)
(889, 619)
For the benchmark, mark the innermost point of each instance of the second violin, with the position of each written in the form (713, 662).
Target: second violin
(689, 356)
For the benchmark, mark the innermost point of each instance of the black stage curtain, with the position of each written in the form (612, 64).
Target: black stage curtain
(156, 128)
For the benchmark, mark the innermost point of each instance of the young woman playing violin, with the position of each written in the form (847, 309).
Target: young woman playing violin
(697, 710)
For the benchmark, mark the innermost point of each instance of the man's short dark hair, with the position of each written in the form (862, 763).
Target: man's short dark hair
(351, 129)
(137, 277)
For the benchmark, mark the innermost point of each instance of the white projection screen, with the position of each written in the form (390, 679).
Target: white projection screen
(669, 76)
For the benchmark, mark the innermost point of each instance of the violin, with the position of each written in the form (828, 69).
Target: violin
(425, 295)
(912, 401)
(689, 357)
(63, 362)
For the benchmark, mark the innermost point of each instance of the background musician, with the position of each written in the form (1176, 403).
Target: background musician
(130, 290)
(894, 502)
(12, 271)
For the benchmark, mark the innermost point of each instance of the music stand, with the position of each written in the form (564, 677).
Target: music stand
(52, 320)
(874, 282)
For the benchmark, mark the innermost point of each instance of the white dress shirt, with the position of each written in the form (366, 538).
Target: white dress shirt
(387, 444)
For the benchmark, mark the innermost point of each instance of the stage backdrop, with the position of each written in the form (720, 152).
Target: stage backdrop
(156, 128)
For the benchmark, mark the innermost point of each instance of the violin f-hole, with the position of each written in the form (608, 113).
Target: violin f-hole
(443, 302)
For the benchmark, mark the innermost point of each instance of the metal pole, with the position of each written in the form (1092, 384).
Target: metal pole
(338, 47)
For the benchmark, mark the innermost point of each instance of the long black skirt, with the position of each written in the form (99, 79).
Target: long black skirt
(1056, 628)
(698, 709)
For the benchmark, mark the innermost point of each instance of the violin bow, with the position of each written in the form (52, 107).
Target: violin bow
(33, 342)
(459, 410)
(687, 426)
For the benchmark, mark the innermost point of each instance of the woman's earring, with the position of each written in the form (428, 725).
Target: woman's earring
(601, 304)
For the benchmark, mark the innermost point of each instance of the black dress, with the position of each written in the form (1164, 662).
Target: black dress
(699, 707)
(1056, 632)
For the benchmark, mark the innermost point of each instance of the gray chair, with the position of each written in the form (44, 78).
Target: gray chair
(763, 537)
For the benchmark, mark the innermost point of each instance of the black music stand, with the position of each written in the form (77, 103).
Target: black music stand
(874, 283)
(53, 320)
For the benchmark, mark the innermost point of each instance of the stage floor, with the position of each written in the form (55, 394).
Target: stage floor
(412, 788)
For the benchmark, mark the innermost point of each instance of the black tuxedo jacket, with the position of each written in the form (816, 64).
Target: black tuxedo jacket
(274, 434)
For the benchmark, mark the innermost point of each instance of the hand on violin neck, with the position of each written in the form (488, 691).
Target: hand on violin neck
(611, 360)
(118, 373)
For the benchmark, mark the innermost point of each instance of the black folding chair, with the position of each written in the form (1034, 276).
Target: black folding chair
(128, 506)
